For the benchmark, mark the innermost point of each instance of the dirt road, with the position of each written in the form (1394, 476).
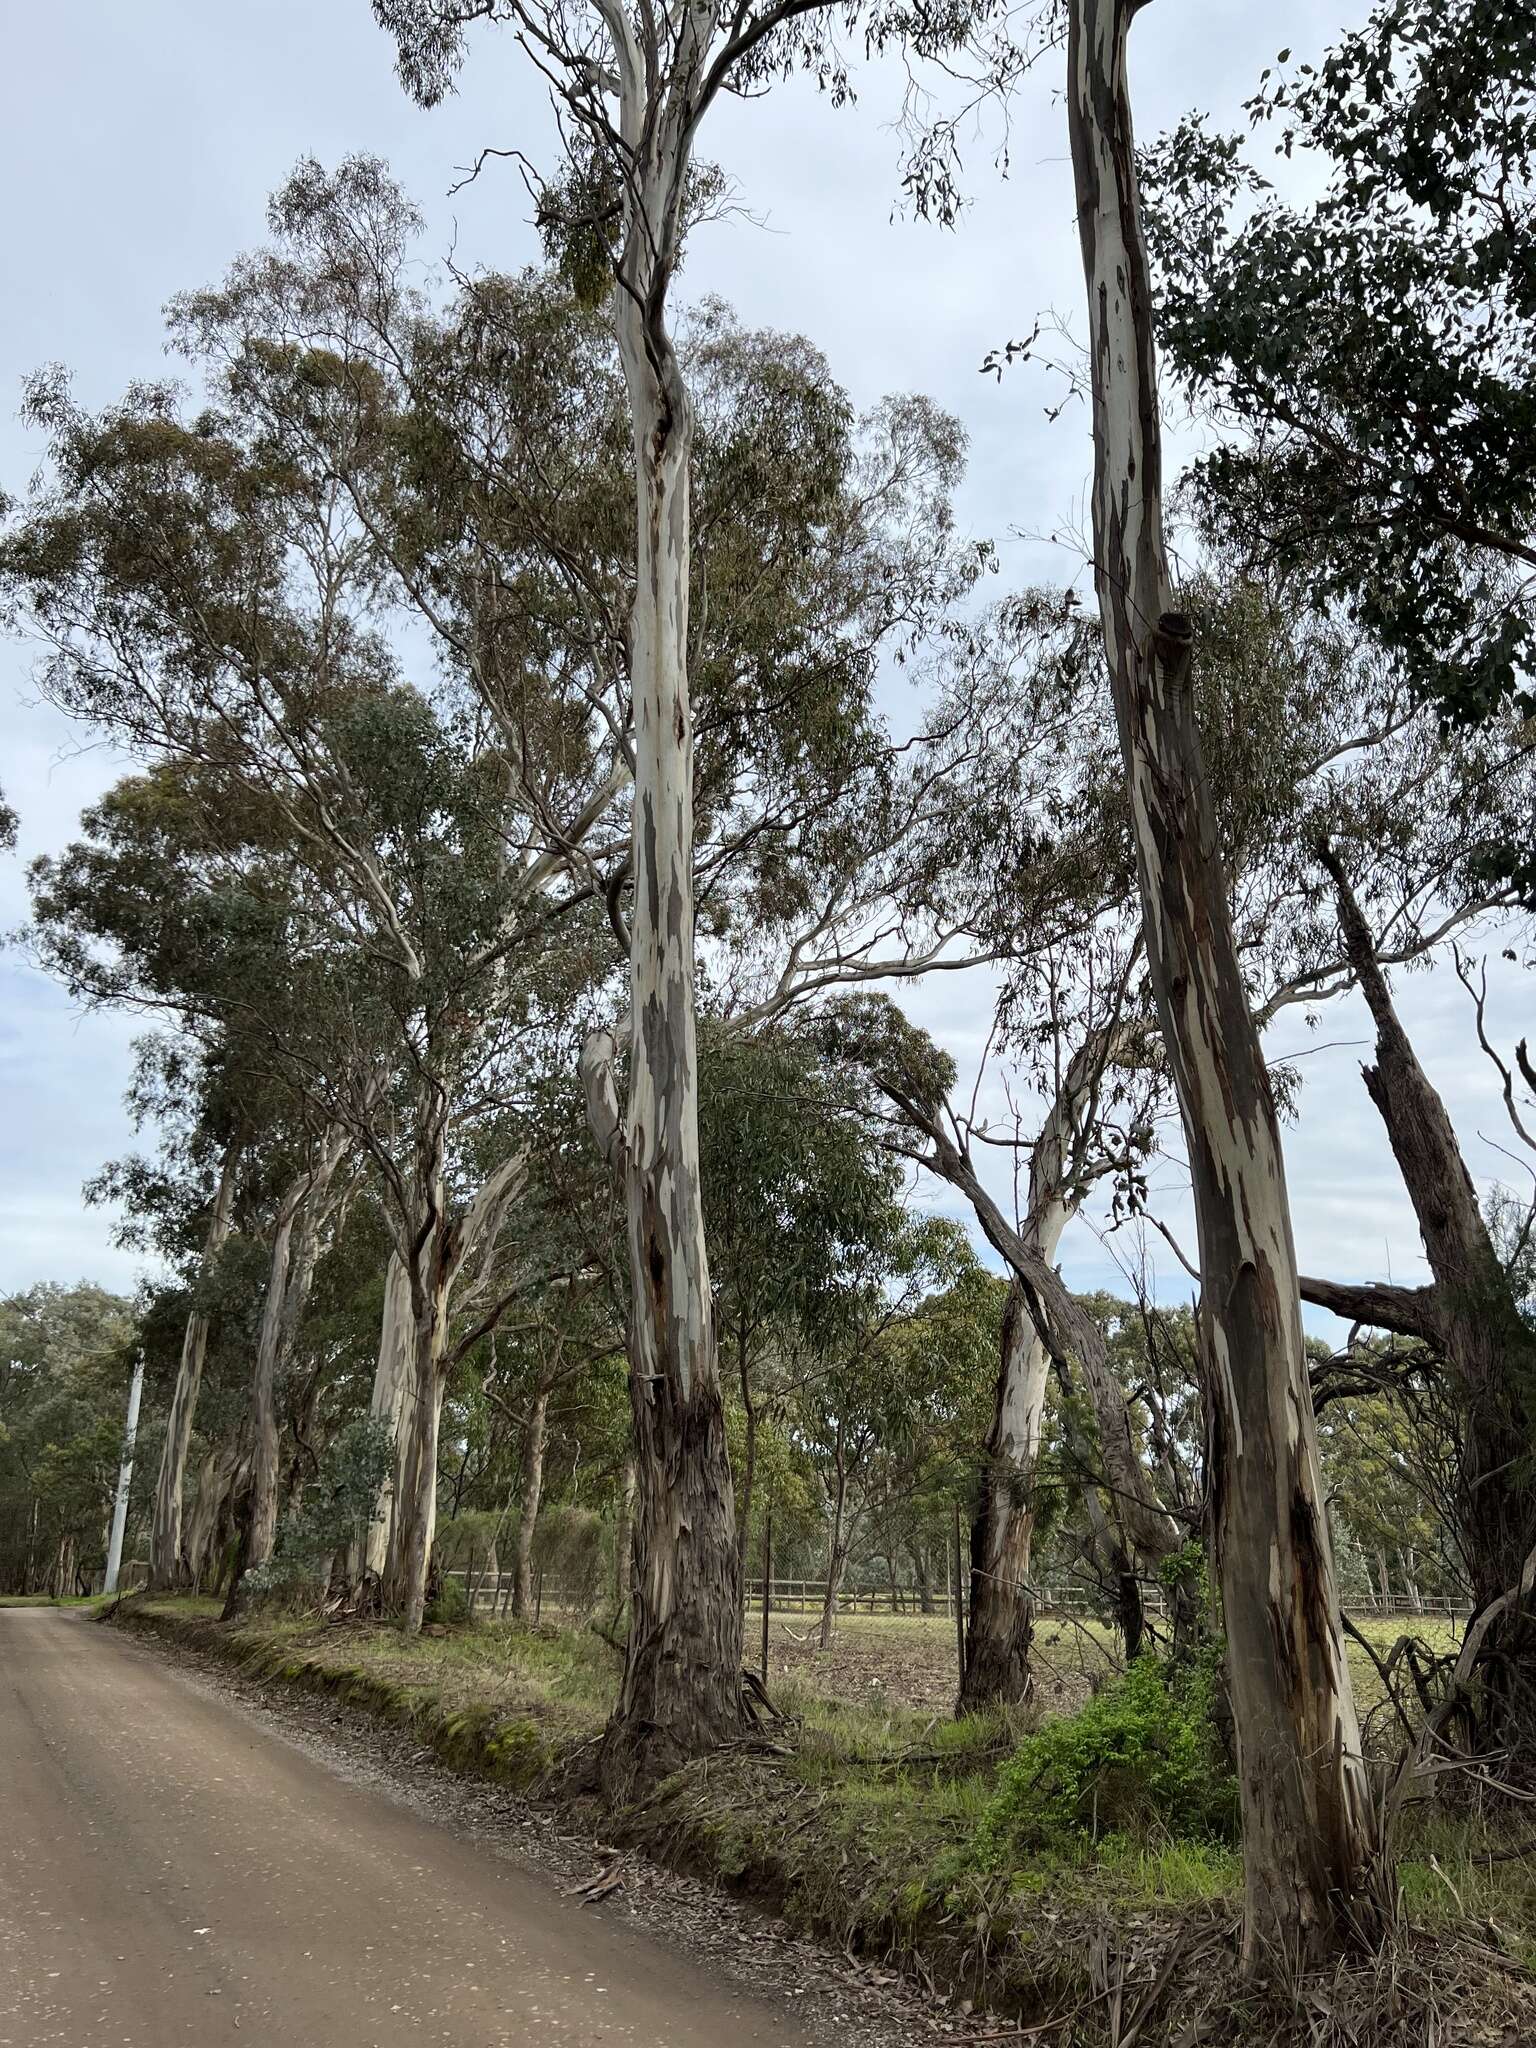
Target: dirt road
(171, 1872)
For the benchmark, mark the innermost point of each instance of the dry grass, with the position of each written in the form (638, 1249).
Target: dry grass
(860, 1824)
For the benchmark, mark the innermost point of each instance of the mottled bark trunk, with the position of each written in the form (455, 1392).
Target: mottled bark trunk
(222, 1478)
(1307, 1817)
(681, 1690)
(531, 1491)
(167, 1558)
(439, 1242)
(1473, 1320)
(261, 1529)
(923, 1577)
(1001, 1612)
(294, 1246)
(1145, 1532)
(995, 1667)
(415, 1522)
(391, 1387)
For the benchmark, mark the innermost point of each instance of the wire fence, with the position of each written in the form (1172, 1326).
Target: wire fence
(808, 1596)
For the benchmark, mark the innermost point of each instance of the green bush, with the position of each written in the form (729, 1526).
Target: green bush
(1142, 1758)
(334, 1512)
(449, 1604)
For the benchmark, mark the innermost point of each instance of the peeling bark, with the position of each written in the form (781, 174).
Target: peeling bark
(1308, 1830)
(1072, 1341)
(1001, 1608)
(391, 1385)
(439, 1243)
(167, 1559)
(681, 1690)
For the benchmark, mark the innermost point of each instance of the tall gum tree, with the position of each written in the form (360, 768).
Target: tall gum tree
(168, 1568)
(1308, 1830)
(637, 84)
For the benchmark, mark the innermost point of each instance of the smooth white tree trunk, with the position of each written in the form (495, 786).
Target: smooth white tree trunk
(391, 1385)
(167, 1560)
(532, 1492)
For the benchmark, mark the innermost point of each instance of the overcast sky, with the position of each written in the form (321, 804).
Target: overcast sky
(137, 148)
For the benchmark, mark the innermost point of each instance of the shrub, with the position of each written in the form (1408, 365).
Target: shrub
(335, 1511)
(449, 1603)
(1141, 1758)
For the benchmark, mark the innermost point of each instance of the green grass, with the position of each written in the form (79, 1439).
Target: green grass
(865, 1828)
(52, 1600)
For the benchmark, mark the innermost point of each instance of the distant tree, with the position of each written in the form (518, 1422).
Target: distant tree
(66, 1358)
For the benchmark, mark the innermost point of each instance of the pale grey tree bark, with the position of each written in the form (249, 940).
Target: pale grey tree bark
(441, 1240)
(681, 1690)
(167, 1557)
(531, 1493)
(1308, 1831)
(288, 1281)
(391, 1384)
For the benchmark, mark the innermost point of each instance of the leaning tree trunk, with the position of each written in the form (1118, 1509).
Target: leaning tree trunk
(531, 1491)
(167, 1561)
(681, 1690)
(1000, 1614)
(1473, 1319)
(1143, 1533)
(1307, 1819)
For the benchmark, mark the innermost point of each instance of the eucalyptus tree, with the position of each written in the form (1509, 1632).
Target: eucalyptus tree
(883, 1363)
(803, 1209)
(183, 1204)
(1307, 1815)
(1470, 1317)
(65, 1361)
(636, 87)
(1368, 353)
(204, 603)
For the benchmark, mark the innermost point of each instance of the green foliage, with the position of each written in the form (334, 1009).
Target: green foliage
(337, 1507)
(449, 1605)
(1373, 350)
(66, 1359)
(571, 1546)
(1142, 1757)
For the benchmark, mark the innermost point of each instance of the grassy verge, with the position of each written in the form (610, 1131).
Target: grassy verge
(53, 1600)
(859, 1822)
